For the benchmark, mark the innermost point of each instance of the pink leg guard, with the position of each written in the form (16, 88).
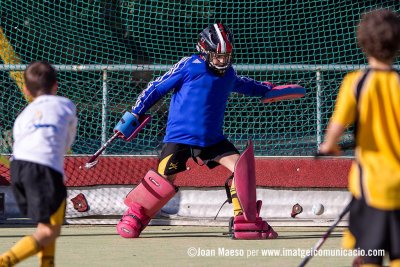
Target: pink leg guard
(144, 202)
(133, 222)
(245, 182)
(241, 228)
(249, 224)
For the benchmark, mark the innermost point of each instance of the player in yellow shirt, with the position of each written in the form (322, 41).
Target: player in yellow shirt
(370, 100)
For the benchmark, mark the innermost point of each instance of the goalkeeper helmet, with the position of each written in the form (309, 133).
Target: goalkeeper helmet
(215, 45)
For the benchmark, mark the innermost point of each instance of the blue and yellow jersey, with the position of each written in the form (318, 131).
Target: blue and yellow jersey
(196, 112)
(370, 100)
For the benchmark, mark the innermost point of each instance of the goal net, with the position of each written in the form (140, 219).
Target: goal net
(107, 51)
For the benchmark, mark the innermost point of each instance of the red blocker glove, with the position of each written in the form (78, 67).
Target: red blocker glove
(284, 92)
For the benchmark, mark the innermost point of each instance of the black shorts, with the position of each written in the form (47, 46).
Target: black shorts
(174, 155)
(39, 190)
(375, 229)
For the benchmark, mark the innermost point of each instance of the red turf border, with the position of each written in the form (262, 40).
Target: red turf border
(270, 172)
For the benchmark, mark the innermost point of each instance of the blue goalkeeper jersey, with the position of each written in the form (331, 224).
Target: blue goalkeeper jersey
(196, 112)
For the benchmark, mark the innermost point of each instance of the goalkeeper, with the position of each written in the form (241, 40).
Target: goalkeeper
(201, 85)
(370, 99)
(43, 132)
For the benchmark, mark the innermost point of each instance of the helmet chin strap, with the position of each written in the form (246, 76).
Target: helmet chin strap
(220, 71)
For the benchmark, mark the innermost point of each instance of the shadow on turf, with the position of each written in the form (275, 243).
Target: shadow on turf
(181, 234)
(309, 236)
(225, 235)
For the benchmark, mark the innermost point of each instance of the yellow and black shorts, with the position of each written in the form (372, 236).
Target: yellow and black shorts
(174, 156)
(39, 191)
(372, 229)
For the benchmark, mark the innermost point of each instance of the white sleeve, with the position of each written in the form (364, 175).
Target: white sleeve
(72, 126)
(71, 134)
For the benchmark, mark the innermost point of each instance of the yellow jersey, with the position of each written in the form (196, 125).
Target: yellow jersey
(370, 99)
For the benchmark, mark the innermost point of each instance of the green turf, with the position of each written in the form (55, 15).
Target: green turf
(169, 245)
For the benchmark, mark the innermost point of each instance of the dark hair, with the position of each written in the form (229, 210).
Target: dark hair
(378, 34)
(40, 78)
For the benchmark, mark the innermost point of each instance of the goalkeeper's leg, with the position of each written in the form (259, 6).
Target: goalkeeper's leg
(144, 201)
(247, 223)
(155, 190)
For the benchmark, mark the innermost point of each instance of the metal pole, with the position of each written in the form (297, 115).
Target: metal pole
(238, 67)
(319, 112)
(104, 105)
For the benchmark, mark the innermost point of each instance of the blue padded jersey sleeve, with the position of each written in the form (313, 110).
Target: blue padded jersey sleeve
(250, 87)
(158, 88)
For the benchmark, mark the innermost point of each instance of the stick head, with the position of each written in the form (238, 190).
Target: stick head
(90, 165)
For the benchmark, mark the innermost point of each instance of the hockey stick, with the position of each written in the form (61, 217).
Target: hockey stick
(92, 161)
(344, 146)
(320, 242)
(317, 246)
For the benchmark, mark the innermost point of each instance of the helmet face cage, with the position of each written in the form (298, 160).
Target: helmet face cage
(215, 44)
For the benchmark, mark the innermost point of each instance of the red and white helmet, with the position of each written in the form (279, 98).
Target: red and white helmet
(216, 42)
